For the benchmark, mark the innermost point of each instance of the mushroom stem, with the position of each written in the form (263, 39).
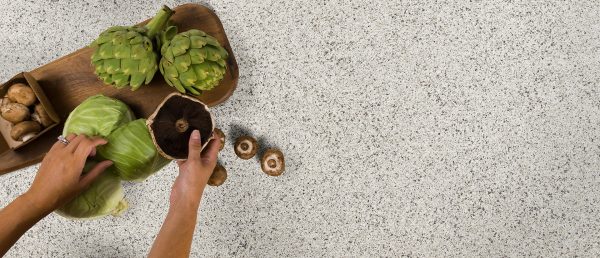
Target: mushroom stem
(181, 125)
(272, 163)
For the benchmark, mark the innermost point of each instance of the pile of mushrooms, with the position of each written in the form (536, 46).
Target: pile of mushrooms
(171, 126)
(272, 161)
(20, 108)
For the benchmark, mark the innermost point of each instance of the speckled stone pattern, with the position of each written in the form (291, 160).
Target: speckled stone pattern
(410, 128)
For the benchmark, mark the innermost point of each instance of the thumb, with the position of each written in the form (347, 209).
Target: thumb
(195, 146)
(94, 173)
(209, 155)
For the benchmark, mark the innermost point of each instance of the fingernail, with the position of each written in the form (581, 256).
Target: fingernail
(196, 135)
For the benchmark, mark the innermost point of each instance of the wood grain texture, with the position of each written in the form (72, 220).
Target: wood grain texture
(70, 80)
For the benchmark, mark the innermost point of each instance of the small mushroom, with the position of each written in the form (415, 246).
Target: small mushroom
(273, 162)
(15, 112)
(218, 134)
(21, 93)
(23, 131)
(172, 123)
(5, 101)
(218, 176)
(41, 116)
(245, 147)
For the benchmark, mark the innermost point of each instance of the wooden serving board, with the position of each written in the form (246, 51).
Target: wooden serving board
(70, 80)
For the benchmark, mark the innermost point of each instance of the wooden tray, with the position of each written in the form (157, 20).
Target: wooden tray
(69, 80)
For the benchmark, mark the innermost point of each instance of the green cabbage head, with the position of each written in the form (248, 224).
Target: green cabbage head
(103, 197)
(97, 116)
(131, 149)
(129, 146)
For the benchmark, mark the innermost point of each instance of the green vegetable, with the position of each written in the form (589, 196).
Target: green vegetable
(129, 146)
(132, 150)
(126, 55)
(103, 197)
(97, 116)
(192, 61)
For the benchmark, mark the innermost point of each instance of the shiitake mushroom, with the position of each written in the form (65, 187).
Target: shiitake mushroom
(14, 112)
(245, 147)
(23, 131)
(172, 124)
(272, 162)
(218, 176)
(219, 135)
(22, 94)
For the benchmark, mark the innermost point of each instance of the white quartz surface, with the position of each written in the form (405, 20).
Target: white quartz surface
(417, 128)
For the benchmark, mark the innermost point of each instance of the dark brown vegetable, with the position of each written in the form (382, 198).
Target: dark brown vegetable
(173, 122)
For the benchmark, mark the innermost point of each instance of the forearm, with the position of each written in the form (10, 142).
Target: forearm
(16, 218)
(175, 236)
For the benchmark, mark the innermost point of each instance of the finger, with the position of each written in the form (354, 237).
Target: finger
(60, 145)
(71, 136)
(87, 146)
(209, 155)
(194, 146)
(88, 178)
(74, 142)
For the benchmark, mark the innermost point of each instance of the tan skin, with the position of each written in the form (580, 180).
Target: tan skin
(60, 179)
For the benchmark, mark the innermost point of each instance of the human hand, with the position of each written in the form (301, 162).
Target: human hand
(60, 178)
(194, 172)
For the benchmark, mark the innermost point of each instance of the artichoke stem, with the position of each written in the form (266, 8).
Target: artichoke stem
(159, 21)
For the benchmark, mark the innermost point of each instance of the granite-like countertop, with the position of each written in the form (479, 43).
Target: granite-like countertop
(429, 128)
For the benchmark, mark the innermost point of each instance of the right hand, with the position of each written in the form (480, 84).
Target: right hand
(194, 173)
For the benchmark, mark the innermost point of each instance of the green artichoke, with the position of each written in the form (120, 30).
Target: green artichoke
(192, 61)
(126, 55)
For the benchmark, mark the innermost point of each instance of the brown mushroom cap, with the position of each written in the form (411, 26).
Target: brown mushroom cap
(15, 112)
(218, 134)
(172, 124)
(273, 162)
(218, 176)
(41, 116)
(4, 101)
(25, 129)
(245, 147)
(21, 93)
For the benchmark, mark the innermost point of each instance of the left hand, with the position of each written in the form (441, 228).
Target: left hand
(60, 178)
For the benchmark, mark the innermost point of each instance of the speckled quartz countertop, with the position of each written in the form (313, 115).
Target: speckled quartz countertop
(427, 128)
